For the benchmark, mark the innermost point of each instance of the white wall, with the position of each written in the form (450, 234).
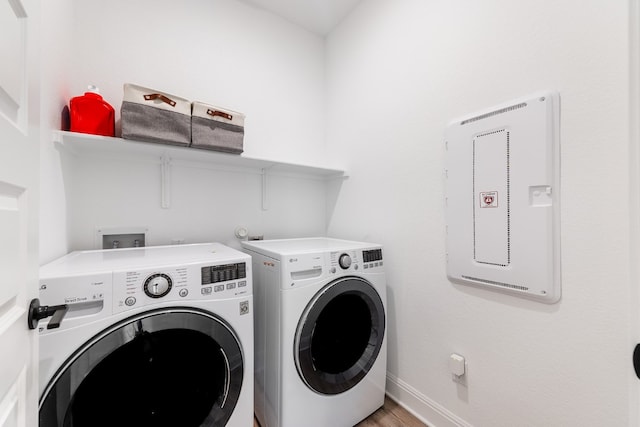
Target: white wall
(397, 73)
(221, 52)
(206, 204)
(56, 60)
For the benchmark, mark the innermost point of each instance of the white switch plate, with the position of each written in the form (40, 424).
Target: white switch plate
(503, 198)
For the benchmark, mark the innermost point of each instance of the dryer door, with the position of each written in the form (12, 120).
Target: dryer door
(339, 335)
(169, 367)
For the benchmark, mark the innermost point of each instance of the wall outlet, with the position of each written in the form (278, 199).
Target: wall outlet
(457, 364)
(458, 368)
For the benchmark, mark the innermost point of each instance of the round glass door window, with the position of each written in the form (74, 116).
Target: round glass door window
(339, 335)
(174, 367)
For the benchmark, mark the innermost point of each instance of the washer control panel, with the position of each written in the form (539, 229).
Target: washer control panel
(138, 288)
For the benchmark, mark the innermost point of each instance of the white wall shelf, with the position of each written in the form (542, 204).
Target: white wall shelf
(86, 144)
(166, 155)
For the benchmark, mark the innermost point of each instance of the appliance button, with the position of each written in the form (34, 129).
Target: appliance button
(218, 288)
(130, 301)
(206, 291)
(183, 292)
(231, 285)
(242, 283)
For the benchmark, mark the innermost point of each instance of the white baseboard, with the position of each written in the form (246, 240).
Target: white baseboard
(423, 408)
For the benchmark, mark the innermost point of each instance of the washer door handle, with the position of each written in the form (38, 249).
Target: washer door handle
(38, 312)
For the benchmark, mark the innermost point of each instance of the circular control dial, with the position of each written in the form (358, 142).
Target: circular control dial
(157, 285)
(344, 261)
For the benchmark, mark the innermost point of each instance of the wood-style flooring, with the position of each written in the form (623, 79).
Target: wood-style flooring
(390, 415)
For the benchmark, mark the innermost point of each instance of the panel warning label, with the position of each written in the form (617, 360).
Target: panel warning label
(489, 199)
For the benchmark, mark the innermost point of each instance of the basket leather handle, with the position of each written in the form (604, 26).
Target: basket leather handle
(161, 97)
(220, 114)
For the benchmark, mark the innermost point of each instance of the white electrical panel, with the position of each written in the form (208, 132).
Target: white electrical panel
(502, 198)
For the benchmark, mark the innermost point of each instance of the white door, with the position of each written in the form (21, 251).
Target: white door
(19, 165)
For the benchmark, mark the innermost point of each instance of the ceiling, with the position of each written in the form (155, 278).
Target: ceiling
(318, 16)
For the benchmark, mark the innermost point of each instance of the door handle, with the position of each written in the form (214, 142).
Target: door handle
(38, 312)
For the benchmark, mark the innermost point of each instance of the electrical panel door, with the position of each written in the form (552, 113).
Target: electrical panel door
(502, 198)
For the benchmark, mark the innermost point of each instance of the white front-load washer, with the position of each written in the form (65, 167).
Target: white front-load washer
(154, 336)
(320, 321)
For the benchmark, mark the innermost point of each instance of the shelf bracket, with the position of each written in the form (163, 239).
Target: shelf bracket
(265, 187)
(165, 181)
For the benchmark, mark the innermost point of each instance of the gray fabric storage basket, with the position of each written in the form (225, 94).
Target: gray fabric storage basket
(215, 128)
(150, 115)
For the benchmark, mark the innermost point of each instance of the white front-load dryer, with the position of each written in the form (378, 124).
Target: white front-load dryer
(320, 322)
(155, 336)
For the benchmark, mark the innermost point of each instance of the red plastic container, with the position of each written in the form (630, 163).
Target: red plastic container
(90, 113)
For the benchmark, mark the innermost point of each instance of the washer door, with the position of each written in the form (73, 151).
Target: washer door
(339, 335)
(170, 367)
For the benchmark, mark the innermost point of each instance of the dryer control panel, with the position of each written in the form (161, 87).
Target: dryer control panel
(345, 261)
(306, 261)
(372, 258)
